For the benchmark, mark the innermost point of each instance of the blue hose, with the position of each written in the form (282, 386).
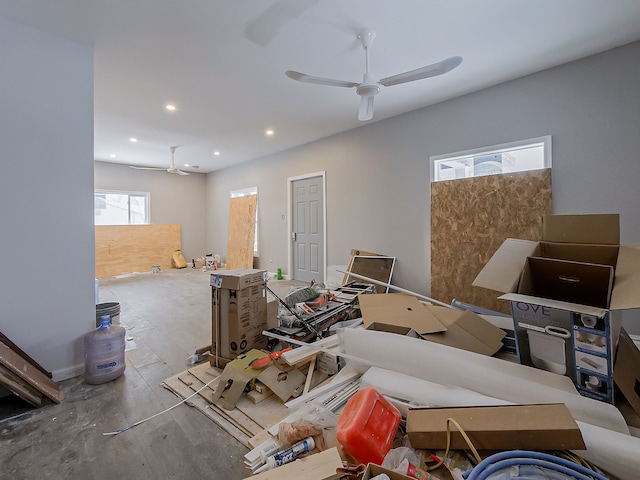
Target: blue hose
(502, 460)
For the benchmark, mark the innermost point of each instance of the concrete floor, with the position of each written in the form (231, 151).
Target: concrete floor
(168, 317)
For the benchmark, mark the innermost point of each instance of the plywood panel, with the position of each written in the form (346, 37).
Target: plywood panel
(470, 218)
(135, 248)
(242, 223)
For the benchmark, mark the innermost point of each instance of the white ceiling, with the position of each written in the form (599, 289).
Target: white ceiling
(203, 56)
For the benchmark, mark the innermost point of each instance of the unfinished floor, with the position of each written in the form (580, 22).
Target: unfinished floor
(167, 316)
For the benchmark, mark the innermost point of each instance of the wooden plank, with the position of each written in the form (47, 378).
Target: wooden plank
(19, 387)
(30, 374)
(4, 339)
(183, 391)
(242, 221)
(134, 248)
(244, 422)
(238, 418)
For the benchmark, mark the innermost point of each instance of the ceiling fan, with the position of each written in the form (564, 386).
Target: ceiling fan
(369, 87)
(172, 168)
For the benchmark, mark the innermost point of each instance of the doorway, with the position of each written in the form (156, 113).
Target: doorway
(307, 227)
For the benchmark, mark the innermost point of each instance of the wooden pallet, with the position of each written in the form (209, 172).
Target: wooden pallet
(246, 421)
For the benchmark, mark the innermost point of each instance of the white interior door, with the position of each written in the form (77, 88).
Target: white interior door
(308, 228)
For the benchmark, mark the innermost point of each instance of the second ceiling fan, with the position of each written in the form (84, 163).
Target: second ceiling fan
(172, 168)
(370, 87)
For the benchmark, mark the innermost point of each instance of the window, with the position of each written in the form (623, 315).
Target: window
(121, 208)
(521, 156)
(242, 193)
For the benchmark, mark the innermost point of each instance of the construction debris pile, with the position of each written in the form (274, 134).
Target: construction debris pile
(352, 383)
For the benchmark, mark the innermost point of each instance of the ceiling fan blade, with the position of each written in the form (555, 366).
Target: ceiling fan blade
(303, 77)
(264, 28)
(366, 108)
(180, 172)
(147, 168)
(424, 72)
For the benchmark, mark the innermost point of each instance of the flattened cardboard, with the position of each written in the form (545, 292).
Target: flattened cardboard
(626, 372)
(466, 330)
(398, 309)
(284, 384)
(397, 329)
(401, 313)
(505, 427)
(235, 377)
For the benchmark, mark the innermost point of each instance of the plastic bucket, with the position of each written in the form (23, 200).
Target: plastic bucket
(110, 308)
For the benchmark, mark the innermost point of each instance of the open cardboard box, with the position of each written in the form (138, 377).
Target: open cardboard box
(405, 314)
(504, 427)
(566, 292)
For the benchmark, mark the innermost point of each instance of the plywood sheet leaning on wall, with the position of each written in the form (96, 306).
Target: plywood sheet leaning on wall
(135, 248)
(470, 218)
(242, 226)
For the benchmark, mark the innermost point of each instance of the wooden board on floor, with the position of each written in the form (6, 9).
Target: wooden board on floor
(135, 248)
(242, 224)
(243, 422)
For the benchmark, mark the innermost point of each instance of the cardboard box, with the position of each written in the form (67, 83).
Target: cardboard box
(318, 466)
(626, 373)
(374, 470)
(238, 318)
(505, 427)
(567, 292)
(239, 278)
(401, 313)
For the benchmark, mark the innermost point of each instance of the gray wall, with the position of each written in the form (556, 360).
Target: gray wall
(46, 190)
(378, 175)
(173, 199)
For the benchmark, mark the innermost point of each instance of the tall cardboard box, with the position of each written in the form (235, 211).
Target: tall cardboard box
(238, 312)
(567, 292)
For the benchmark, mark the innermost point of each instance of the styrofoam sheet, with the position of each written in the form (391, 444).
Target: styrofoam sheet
(479, 373)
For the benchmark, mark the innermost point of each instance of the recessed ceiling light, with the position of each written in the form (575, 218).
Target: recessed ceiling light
(133, 139)
(216, 153)
(269, 132)
(186, 164)
(170, 107)
(113, 155)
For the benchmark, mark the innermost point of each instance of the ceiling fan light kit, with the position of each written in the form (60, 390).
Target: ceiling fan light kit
(370, 87)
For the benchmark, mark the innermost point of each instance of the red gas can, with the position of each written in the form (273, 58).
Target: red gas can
(367, 426)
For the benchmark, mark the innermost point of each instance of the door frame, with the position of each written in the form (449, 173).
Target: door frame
(290, 181)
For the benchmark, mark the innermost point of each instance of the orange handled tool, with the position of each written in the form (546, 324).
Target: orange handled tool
(260, 363)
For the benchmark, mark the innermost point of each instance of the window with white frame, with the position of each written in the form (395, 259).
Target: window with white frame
(243, 193)
(520, 156)
(121, 208)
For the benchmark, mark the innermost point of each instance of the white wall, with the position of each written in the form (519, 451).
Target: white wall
(173, 199)
(378, 192)
(46, 193)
